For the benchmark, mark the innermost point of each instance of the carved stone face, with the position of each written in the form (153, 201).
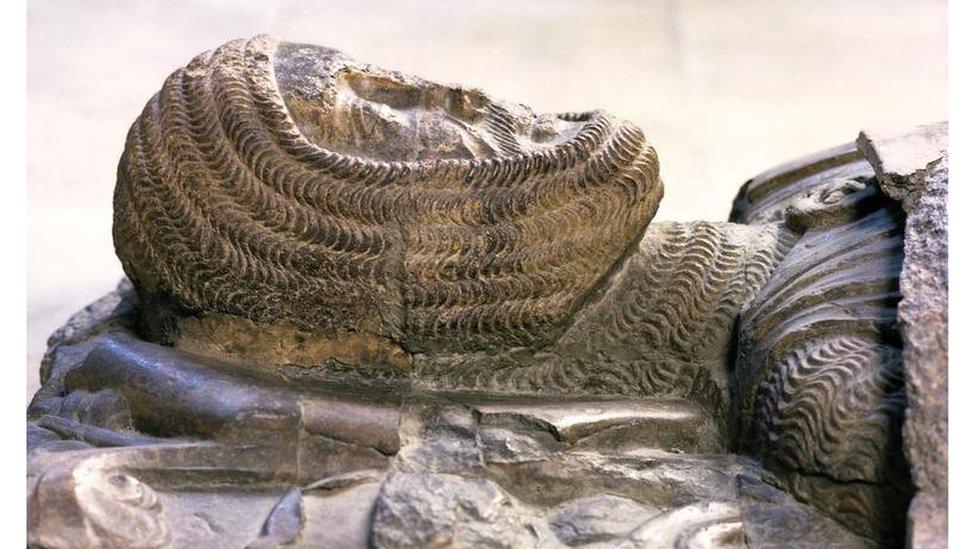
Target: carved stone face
(836, 202)
(358, 109)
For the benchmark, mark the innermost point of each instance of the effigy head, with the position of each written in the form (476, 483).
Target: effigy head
(289, 185)
(361, 110)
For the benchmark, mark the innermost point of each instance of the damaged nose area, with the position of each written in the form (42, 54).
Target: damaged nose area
(367, 112)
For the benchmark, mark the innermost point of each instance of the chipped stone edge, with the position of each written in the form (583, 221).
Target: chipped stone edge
(913, 169)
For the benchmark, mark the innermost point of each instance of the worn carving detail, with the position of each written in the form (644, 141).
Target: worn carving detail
(679, 295)
(819, 377)
(370, 310)
(765, 198)
(914, 168)
(91, 506)
(223, 204)
(827, 406)
(663, 326)
(122, 509)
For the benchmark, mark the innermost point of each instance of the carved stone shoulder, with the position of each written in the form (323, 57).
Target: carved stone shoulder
(819, 388)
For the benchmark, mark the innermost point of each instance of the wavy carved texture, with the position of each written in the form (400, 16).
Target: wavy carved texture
(765, 198)
(818, 387)
(681, 294)
(662, 327)
(827, 407)
(223, 204)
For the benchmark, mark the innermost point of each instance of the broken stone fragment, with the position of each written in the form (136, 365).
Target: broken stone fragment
(914, 168)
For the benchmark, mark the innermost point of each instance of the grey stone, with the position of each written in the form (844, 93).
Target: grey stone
(907, 163)
(284, 524)
(368, 309)
(598, 518)
(818, 387)
(435, 509)
(342, 518)
(914, 169)
(773, 519)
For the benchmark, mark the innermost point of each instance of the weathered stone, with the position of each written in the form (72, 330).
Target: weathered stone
(437, 510)
(908, 165)
(703, 524)
(771, 518)
(84, 505)
(914, 168)
(284, 524)
(819, 388)
(70, 344)
(341, 518)
(368, 309)
(290, 184)
(598, 518)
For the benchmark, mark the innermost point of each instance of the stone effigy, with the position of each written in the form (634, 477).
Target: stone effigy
(288, 184)
(363, 308)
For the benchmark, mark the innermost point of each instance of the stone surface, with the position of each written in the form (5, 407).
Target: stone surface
(914, 168)
(598, 518)
(467, 469)
(289, 184)
(368, 309)
(348, 217)
(284, 523)
(688, 53)
(906, 164)
(819, 386)
(663, 326)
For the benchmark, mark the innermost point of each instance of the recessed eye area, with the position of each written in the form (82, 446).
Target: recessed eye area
(360, 110)
(465, 105)
(838, 190)
(394, 117)
(379, 89)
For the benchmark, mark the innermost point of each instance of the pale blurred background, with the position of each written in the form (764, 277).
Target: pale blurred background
(723, 89)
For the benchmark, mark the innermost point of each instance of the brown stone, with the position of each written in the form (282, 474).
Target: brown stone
(367, 309)
(914, 168)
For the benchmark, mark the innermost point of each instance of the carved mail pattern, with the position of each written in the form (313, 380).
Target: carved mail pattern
(222, 204)
(818, 382)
